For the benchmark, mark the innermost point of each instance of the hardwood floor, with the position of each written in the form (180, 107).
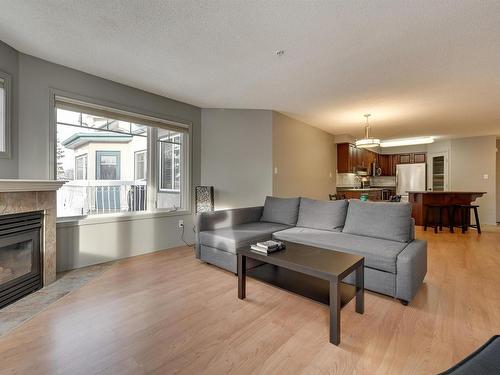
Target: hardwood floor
(166, 312)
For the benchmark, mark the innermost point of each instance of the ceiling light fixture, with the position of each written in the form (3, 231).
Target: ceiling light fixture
(367, 141)
(407, 142)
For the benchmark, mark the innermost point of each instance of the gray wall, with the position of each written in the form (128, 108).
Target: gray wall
(9, 64)
(89, 243)
(236, 155)
(471, 159)
(37, 77)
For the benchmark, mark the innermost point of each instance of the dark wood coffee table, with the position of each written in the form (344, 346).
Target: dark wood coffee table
(310, 271)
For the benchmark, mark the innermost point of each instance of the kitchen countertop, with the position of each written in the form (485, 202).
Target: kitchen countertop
(355, 189)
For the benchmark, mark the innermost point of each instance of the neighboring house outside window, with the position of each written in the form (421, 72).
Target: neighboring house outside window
(140, 165)
(81, 165)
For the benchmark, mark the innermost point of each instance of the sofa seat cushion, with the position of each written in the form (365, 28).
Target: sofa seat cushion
(389, 221)
(379, 254)
(327, 215)
(229, 239)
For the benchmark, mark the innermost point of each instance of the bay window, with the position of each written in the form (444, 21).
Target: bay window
(118, 161)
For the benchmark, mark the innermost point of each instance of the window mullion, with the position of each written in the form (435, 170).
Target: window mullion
(153, 169)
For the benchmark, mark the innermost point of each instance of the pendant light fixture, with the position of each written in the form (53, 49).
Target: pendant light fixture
(367, 141)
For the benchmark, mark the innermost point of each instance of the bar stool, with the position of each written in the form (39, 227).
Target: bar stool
(464, 210)
(437, 216)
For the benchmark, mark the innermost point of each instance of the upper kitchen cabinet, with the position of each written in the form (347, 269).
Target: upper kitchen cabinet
(420, 157)
(410, 158)
(345, 157)
(385, 164)
(350, 158)
(404, 159)
(365, 158)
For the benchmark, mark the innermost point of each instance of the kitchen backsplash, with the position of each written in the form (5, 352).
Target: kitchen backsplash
(383, 181)
(347, 180)
(350, 180)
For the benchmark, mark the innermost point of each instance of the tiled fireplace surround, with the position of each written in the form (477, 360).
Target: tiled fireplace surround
(18, 196)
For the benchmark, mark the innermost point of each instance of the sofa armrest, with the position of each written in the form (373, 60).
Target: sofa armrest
(411, 267)
(224, 219)
(412, 229)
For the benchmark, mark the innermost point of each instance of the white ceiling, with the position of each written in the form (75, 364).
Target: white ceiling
(420, 67)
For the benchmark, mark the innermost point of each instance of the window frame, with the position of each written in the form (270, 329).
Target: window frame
(169, 121)
(7, 87)
(145, 151)
(160, 169)
(86, 156)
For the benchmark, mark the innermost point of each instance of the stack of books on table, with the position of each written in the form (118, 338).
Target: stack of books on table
(267, 247)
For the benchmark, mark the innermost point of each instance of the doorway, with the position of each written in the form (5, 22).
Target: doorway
(438, 171)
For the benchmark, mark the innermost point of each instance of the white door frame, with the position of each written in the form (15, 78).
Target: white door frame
(446, 169)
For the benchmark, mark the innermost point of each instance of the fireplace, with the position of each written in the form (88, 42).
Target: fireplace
(21, 266)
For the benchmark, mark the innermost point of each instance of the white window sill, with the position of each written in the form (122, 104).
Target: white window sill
(116, 217)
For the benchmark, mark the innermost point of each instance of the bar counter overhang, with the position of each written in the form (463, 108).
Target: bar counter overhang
(419, 199)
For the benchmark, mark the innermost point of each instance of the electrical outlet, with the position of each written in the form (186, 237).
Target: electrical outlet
(181, 223)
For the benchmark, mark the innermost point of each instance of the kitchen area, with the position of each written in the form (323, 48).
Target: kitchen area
(366, 174)
(422, 176)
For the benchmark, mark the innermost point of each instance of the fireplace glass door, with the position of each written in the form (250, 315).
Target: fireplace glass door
(17, 258)
(20, 265)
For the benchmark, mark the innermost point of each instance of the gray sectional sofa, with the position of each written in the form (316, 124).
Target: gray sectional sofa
(382, 232)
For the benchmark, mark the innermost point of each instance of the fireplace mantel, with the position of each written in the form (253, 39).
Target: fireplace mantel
(12, 186)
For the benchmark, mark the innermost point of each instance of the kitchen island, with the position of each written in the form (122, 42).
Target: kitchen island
(374, 193)
(419, 199)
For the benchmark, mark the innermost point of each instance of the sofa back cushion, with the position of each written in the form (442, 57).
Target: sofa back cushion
(326, 215)
(390, 221)
(281, 210)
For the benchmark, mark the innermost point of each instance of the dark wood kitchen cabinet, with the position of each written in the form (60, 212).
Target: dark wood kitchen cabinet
(404, 159)
(410, 158)
(385, 164)
(365, 158)
(350, 159)
(420, 157)
(394, 162)
(346, 158)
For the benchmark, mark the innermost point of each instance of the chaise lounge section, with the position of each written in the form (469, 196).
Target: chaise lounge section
(383, 233)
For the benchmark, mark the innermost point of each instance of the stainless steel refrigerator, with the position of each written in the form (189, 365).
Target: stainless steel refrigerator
(410, 177)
